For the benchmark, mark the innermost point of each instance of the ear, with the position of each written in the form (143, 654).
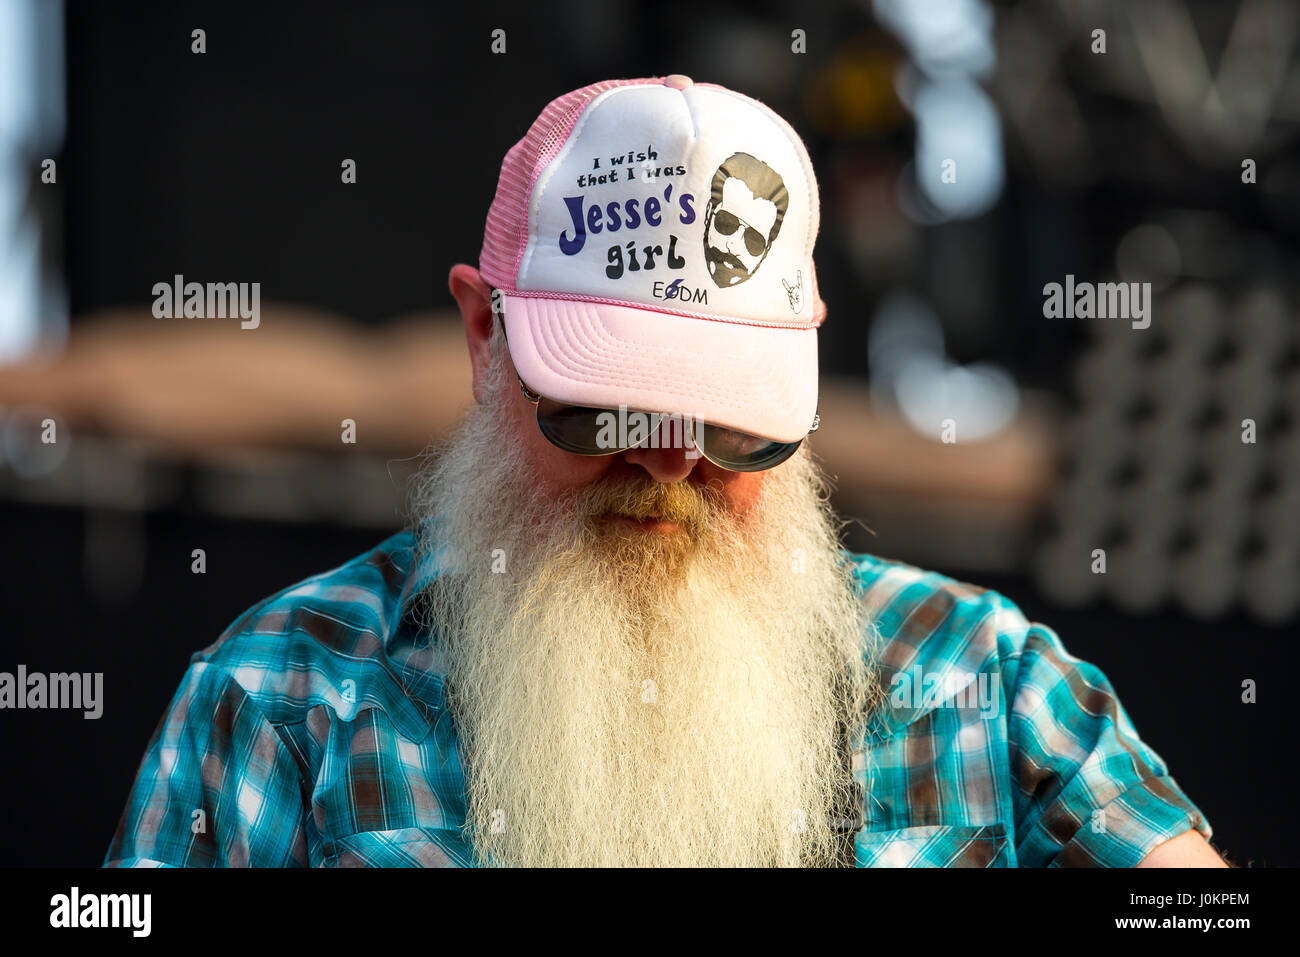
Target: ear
(472, 294)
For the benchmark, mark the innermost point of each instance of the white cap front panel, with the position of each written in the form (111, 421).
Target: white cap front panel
(694, 200)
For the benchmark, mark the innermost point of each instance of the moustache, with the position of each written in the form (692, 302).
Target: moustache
(713, 254)
(683, 502)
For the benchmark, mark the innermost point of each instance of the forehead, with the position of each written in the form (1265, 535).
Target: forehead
(739, 199)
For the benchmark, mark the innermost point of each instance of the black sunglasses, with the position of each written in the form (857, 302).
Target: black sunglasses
(727, 223)
(584, 430)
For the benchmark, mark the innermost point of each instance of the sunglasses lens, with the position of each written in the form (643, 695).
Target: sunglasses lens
(587, 431)
(725, 222)
(740, 451)
(754, 241)
(573, 428)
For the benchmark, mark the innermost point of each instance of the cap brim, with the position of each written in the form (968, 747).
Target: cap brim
(758, 379)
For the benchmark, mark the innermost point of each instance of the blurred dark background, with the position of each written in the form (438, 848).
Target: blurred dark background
(1075, 435)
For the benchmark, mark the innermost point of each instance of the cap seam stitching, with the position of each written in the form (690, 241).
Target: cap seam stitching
(643, 307)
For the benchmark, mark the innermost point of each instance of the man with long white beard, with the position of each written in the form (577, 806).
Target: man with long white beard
(616, 637)
(651, 675)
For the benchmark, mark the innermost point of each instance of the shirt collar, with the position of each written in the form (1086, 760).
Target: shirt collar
(410, 646)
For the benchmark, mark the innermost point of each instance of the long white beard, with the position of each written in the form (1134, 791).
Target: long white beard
(634, 698)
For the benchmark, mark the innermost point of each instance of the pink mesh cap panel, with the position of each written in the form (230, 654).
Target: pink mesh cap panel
(506, 233)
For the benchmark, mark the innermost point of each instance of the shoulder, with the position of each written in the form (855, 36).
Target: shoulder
(927, 612)
(344, 609)
(322, 640)
(938, 629)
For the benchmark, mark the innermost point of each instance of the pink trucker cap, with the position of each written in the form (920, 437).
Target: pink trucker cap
(653, 242)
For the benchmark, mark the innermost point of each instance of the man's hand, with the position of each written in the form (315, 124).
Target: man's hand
(1188, 849)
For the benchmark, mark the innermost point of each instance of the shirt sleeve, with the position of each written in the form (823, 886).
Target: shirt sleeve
(218, 786)
(1088, 792)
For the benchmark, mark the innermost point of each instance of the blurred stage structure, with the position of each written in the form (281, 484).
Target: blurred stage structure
(1184, 462)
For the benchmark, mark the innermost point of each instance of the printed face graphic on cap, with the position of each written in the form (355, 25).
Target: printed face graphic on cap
(746, 205)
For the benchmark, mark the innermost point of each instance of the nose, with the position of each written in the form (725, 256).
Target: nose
(671, 461)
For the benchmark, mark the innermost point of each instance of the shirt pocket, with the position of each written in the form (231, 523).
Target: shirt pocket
(934, 845)
(402, 847)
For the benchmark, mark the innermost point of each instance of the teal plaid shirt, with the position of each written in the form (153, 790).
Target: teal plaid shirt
(314, 732)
